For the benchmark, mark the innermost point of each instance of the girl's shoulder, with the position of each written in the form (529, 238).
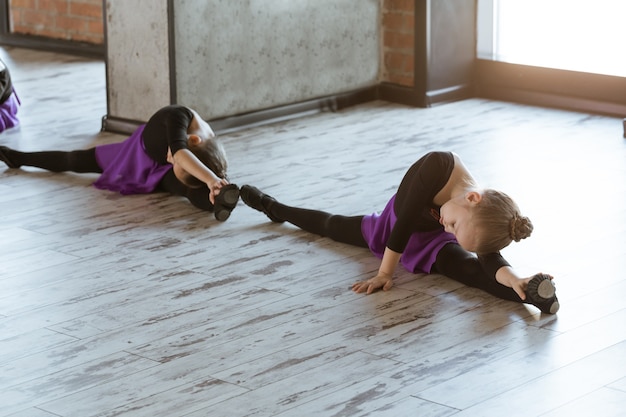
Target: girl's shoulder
(174, 111)
(438, 163)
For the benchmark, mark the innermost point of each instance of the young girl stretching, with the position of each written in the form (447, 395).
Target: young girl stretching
(9, 102)
(435, 222)
(174, 152)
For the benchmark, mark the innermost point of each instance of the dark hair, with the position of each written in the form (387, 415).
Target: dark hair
(499, 222)
(212, 154)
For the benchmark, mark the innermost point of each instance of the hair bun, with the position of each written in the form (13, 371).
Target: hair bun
(520, 227)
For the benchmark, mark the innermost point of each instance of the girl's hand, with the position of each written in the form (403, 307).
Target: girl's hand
(215, 187)
(381, 280)
(520, 285)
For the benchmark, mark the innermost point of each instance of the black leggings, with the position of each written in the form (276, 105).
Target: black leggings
(455, 262)
(452, 260)
(81, 161)
(344, 229)
(84, 161)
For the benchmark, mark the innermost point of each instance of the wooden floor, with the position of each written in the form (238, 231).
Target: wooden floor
(144, 306)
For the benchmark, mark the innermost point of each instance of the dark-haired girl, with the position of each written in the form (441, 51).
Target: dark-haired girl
(9, 101)
(175, 151)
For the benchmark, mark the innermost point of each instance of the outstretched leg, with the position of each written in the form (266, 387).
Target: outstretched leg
(345, 229)
(455, 262)
(81, 161)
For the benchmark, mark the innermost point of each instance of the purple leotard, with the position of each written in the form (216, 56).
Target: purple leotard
(127, 168)
(407, 225)
(421, 249)
(138, 164)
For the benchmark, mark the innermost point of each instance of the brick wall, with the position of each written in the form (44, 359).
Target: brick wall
(71, 20)
(398, 41)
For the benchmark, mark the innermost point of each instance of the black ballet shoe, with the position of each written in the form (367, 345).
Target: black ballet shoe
(225, 202)
(257, 200)
(541, 293)
(4, 158)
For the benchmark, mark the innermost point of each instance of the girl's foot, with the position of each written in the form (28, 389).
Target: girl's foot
(225, 202)
(4, 157)
(256, 199)
(541, 293)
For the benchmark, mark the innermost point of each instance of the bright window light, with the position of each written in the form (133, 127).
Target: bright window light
(577, 35)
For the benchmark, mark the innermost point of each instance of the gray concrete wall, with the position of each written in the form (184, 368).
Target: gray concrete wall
(238, 56)
(234, 57)
(137, 58)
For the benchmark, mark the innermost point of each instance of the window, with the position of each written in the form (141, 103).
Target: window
(577, 35)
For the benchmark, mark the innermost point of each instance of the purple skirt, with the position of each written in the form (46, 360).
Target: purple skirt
(127, 168)
(421, 251)
(8, 112)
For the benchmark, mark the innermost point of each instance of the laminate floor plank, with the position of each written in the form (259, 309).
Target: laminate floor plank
(527, 365)
(577, 380)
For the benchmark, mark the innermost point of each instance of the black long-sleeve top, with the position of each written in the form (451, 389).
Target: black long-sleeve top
(414, 205)
(167, 128)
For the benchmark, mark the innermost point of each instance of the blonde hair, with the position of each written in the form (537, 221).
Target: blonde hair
(498, 219)
(212, 154)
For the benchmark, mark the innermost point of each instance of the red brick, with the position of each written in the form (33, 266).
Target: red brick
(409, 22)
(409, 63)
(400, 5)
(71, 24)
(54, 6)
(35, 18)
(399, 23)
(16, 17)
(394, 40)
(96, 28)
(79, 20)
(394, 61)
(23, 4)
(85, 9)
